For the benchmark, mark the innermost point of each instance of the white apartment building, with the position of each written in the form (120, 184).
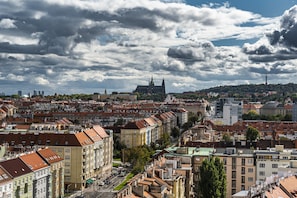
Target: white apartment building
(41, 176)
(6, 184)
(232, 112)
(273, 161)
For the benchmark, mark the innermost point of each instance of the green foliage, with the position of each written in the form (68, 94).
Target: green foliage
(175, 132)
(226, 137)
(137, 157)
(164, 141)
(252, 134)
(117, 147)
(212, 179)
(121, 185)
(154, 97)
(251, 115)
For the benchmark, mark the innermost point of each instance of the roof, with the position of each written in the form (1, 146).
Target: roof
(93, 135)
(276, 192)
(100, 131)
(83, 139)
(139, 124)
(290, 184)
(15, 167)
(50, 139)
(33, 161)
(49, 155)
(4, 176)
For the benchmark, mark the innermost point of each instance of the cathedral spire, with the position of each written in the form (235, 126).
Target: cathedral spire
(152, 82)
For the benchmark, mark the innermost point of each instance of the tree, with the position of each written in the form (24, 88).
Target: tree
(212, 181)
(227, 137)
(175, 132)
(252, 134)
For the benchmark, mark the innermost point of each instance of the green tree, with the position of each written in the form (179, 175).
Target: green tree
(252, 134)
(251, 115)
(175, 132)
(226, 137)
(212, 181)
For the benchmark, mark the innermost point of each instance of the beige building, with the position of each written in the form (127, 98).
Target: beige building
(134, 134)
(239, 167)
(77, 150)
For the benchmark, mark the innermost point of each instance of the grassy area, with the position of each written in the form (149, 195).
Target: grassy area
(117, 159)
(115, 165)
(121, 185)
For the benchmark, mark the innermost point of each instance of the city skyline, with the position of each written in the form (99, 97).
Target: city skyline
(91, 46)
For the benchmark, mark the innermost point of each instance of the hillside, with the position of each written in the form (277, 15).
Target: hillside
(289, 88)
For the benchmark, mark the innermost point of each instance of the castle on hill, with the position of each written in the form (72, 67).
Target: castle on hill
(151, 88)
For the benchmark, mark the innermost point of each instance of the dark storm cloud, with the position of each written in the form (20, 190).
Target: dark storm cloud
(277, 68)
(282, 43)
(193, 53)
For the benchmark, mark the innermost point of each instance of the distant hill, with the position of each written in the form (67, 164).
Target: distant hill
(253, 88)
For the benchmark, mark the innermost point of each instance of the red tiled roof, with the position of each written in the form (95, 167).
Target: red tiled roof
(290, 184)
(91, 133)
(83, 139)
(100, 131)
(34, 161)
(276, 192)
(49, 155)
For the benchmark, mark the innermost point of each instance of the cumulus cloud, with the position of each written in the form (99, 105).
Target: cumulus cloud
(75, 46)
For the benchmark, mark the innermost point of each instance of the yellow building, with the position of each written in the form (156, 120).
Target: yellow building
(135, 134)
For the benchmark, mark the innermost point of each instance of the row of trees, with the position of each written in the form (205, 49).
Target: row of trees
(252, 115)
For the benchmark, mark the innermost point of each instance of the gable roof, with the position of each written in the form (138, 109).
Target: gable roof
(33, 161)
(4, 176)
(49, 155)
(93, 135)
(83, 139)
(15, 167)
(99, 130)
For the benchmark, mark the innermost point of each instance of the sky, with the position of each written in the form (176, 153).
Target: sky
(88, 46)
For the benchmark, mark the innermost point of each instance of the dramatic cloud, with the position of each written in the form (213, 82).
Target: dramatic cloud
(88, 46)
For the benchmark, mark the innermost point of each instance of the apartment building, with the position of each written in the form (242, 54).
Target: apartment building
(6, 184)
(77, 150)
(232, 112)
(22, 177)
(56, 164)
(135, 134)
(239, 167)
(41, 174)
(272, 160)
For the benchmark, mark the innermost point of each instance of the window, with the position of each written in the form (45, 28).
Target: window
(233, 183)
(262, 173)
(243, 179)
(26, 188)
(242, 170)
(250, 161)
(250, 170)
(233, 174)
(274, 173)
(262, 165)
(250, 179)
(242, 187)
(243, 161)
(274, 165)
